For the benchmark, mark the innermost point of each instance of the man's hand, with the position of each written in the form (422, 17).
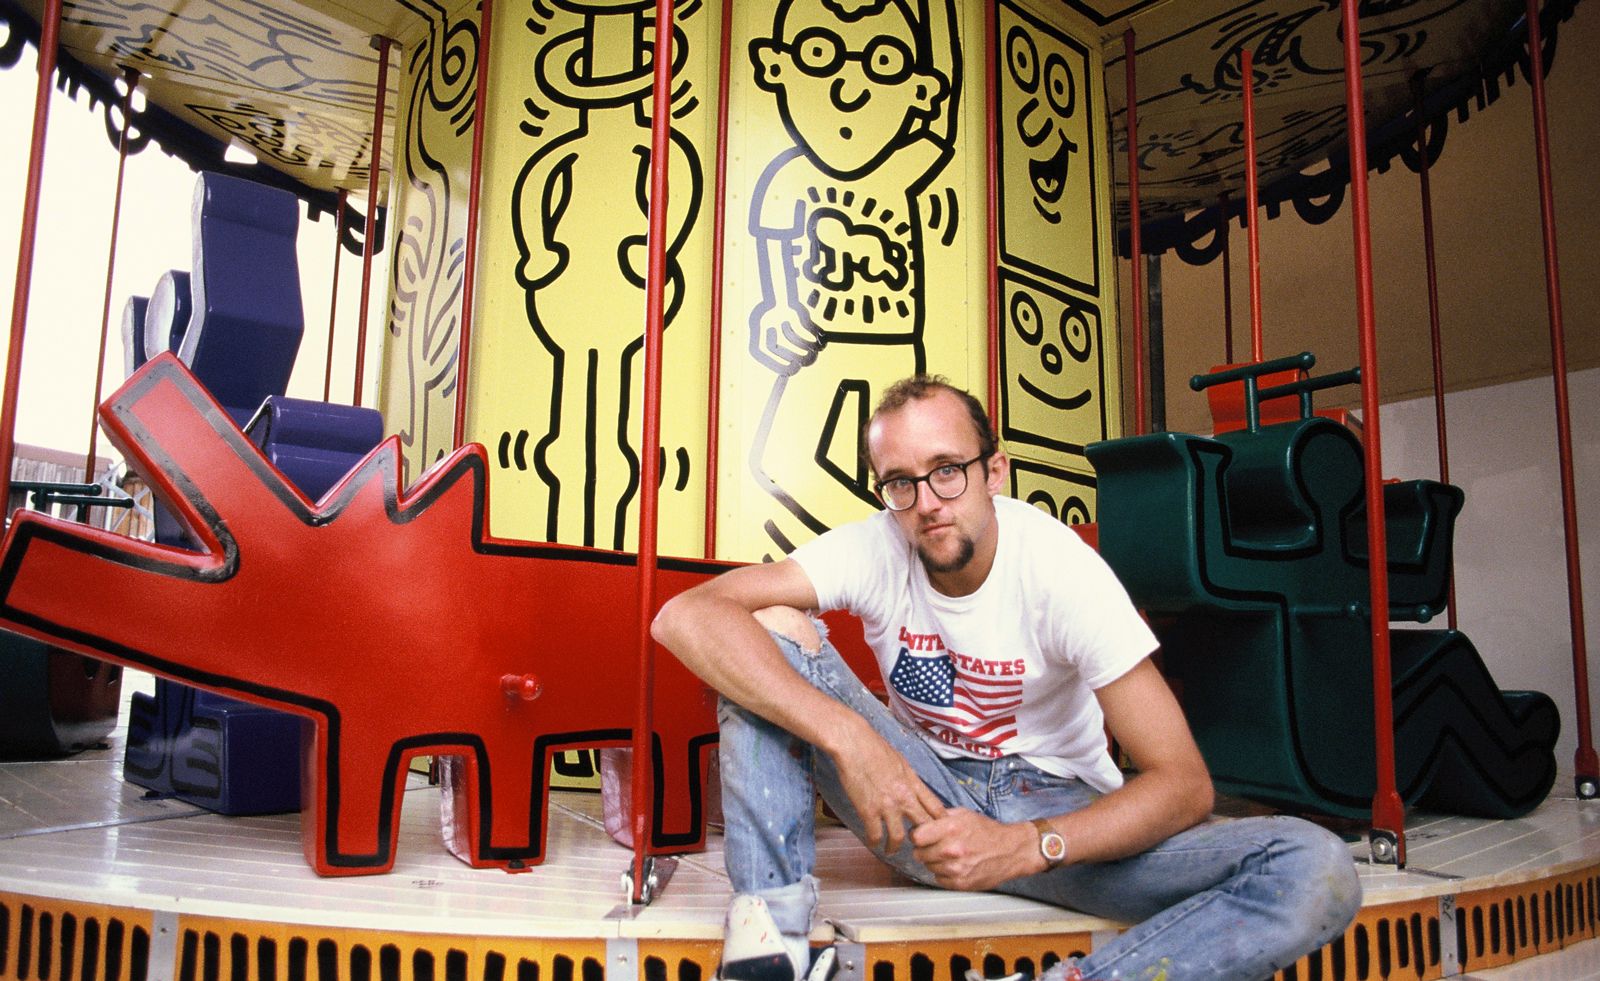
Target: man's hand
(883, 788)
(967, 850)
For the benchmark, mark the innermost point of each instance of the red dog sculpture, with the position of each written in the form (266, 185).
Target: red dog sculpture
(394, 624)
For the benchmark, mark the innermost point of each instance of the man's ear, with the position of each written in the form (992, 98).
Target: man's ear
(769, 63)
(998, 473)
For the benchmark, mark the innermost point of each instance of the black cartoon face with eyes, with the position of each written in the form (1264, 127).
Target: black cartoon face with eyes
(1052, 96)
(1058, 492)
(848, 83)
(1052, 364)
(1052, 338)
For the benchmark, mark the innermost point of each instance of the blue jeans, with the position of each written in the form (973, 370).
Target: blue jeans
(1226, 899)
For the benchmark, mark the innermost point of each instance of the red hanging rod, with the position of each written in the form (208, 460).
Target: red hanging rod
(469, 272)
(374, 167)
(991, 180)
(1135, 245)
(1585, 763)
(49, 28)
(1252, 200)
(1388, 836)
(650, 442)
(130, 76)
(719, 225)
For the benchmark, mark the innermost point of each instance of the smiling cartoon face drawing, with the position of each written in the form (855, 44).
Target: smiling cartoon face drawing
(1053, 366)
(1049, 94)
(1046, 152)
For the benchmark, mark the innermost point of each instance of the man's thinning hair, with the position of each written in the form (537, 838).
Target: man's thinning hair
(919, 387)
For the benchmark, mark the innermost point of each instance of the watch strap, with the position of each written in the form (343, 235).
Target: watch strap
(1047, 832)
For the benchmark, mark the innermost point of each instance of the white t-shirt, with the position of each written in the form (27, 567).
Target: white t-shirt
(1008, 670)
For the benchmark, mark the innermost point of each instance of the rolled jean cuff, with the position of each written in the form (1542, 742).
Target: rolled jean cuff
(792, 906)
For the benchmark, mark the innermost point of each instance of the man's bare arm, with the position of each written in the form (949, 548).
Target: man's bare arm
(1171, 790)
(712, 629)
(1170, 793)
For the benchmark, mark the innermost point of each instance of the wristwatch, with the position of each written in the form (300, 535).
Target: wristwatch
(1051, 845)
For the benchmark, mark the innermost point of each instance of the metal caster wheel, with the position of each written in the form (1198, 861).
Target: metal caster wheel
(1385, 848)
(657, 873)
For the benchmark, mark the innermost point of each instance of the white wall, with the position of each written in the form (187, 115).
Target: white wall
(1511, 577)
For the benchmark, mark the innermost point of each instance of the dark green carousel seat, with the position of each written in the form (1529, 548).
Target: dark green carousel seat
(1248, 550)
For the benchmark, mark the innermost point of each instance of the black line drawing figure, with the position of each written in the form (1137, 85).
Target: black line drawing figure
(1048, 220)
(579, 211)
(255, 42)
(1062, 494)
(867, 90)
(1040, 121)
(305, 139)
(427, 273)
(1052, 367)
(1292, 47)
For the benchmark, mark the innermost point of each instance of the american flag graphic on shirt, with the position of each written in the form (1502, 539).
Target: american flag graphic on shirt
(980, 710)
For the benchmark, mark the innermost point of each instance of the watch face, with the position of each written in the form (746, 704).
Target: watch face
(1053, 846)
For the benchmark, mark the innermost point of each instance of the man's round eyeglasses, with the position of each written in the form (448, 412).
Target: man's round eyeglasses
(947, 481)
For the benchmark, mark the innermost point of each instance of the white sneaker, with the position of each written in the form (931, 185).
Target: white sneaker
(753, 949)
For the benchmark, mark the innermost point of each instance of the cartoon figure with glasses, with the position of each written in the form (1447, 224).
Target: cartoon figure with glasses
(867, 91)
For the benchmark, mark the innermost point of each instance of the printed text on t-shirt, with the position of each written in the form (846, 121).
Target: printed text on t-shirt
(964, 701)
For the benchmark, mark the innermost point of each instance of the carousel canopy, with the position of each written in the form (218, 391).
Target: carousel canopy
(294, 82)
(1448, 57)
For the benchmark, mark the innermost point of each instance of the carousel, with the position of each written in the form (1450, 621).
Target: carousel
(646, 267)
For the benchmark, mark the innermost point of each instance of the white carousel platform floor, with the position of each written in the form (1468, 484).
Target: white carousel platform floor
(74, 831)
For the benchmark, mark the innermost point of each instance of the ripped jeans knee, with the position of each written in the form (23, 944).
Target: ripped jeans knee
(796, 625)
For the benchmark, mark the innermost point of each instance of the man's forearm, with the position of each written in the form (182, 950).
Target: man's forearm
(1145, 811)
(728, 649)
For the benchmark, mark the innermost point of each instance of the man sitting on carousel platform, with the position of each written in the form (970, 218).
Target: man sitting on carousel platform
(1009, 650)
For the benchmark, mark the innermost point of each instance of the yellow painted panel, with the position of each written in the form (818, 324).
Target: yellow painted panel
(557, 352)
(855, 252)
(1058, 316)
(855, 246)
(433, 157)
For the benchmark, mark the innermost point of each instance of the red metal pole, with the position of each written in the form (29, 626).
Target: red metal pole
(469, 272)
(1134, 244)
(1388, 811)
(333, 302)
(1227, 282)
(1247, 79)
(992, 192)
(131, 77)
(1585, 762)
(49, 26)
(650, 438)
(718, 245)
(374, 166)
(1433, 316)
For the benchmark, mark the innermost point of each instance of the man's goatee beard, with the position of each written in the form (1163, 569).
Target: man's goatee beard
(956, 564)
